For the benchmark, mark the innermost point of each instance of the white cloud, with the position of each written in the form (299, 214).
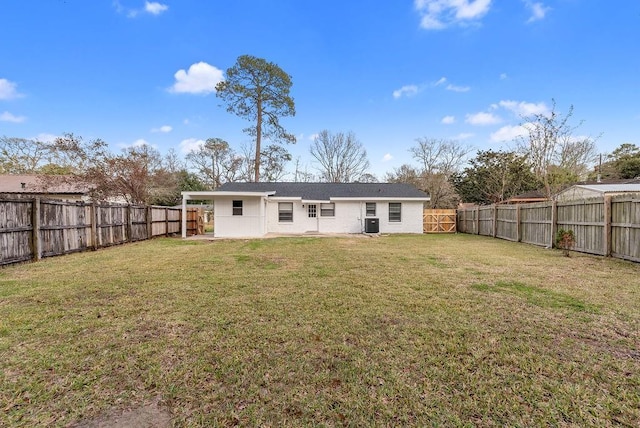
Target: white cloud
(155, 8)
(312, 137)
(8, 90)
(407, 90)
(201, 78)
(537, 9)
(448, 120)
(140, 142)
(482, 118)
(190, 144)
(508, 133)
(455, 88)
(441, 81)
(522, 108)
(8, 117)
(186, 121)
(164, 129)
(387, 157)
(439, 14)
(464, 136)
(503, 76)
(46, 138)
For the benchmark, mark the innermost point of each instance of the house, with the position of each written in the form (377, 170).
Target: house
(255, 209)
(595, 190)
(29, 186)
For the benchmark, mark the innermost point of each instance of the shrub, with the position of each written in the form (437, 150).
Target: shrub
(565, 240)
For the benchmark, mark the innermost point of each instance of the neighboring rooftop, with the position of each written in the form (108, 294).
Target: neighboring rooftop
(325, 191)
(37, 184)
(609, 181)
(612, 188)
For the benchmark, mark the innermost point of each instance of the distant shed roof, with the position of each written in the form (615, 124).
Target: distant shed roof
(326, 191)
(611, 188)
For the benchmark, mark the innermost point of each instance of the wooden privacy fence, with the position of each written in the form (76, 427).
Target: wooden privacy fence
(34, 228)
(439, 221)
(607, 226)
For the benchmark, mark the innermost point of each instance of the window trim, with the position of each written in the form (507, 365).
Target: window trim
(395, 217)
(237, 209)
(367, 210)
(285, 215)
(325, 211)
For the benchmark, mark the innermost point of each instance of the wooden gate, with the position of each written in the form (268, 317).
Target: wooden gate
(195, 221)
(439, 221)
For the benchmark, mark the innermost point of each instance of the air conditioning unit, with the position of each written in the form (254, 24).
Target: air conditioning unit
(372, 225)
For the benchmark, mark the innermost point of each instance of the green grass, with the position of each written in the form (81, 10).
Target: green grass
(434, 330)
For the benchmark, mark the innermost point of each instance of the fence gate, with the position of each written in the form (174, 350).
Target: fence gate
(439, 221)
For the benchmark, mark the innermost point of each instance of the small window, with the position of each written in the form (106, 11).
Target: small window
(327, 210)
(371, 209)
(237, 207)
(395, 211)
(312, 210)
(285, 211)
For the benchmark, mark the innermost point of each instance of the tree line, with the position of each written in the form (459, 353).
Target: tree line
(548, 157)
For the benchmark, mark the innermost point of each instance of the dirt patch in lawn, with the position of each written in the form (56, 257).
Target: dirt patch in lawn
(149, 415)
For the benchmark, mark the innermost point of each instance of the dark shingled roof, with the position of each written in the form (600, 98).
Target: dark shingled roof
(325, 191)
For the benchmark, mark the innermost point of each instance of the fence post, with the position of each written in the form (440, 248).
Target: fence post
(554, 222)
(495, 220)
(129, 224)
(476, 224)
(166, 222)
(518, 225)
(35, 224)
(94, 226)
(149, 211)
(607, 226)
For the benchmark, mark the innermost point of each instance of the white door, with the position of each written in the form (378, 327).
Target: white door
(312, 218)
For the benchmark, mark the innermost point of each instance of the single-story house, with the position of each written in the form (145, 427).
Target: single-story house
(29, 186)
(595, 190)
(255, 209)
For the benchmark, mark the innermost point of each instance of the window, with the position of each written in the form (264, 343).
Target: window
(237, 207)
(327, 210)
(285, 211)
(371, 209)
(312, 209)
(395, 211)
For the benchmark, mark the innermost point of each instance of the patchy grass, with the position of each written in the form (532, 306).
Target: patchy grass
(400, 330)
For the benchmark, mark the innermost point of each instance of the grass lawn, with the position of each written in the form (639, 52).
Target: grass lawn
(433, 330)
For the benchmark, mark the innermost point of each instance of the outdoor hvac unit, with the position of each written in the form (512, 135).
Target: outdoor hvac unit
(372, 225)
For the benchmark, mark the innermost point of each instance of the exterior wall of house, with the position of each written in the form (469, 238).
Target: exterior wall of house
(349, 217)
(411, 221)
(250, 224)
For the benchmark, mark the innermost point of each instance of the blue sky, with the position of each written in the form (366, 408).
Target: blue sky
(133, 71)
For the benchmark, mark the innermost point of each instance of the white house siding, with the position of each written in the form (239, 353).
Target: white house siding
(411, 217)
(250, 224)
(349, 218)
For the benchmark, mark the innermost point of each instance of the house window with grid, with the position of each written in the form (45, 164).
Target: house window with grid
(312, 210)
(395, 211)
(285, 211)
(237, 207)
(371, 209)
(328, 210)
